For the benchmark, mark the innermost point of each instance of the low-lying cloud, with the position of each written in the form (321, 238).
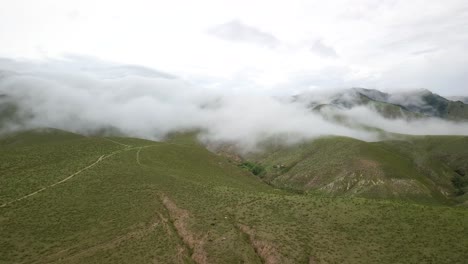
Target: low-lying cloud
(88, 96)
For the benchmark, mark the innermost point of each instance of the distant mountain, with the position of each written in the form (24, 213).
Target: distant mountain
(431, 104)
(408, 105)
(463, 99)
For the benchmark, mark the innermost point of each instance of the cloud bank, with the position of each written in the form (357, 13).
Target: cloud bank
(87, 96)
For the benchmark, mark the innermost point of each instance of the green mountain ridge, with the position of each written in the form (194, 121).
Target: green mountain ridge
(419, 168)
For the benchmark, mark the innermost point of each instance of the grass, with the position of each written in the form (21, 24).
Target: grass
(176, 202)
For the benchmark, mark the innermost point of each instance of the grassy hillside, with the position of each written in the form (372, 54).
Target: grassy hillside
(440, 158)
(413, 168)
(138, 201)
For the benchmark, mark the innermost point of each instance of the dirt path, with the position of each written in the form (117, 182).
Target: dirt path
(116, 142)
(138, 156)
(56, 183)
(101, 158)
(139, 150)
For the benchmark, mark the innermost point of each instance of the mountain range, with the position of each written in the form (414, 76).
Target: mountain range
(398, 166)
(105, 197)
(413, 104)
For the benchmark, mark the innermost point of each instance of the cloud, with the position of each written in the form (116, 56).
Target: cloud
(323, 50)
(424, 51)
(237, 31)
(427, 126)
(66, 95)
(86, 96)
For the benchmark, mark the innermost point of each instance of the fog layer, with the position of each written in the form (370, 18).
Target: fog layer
(88, 96)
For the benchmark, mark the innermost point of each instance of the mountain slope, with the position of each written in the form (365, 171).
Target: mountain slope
(175, 202)
(415, 168)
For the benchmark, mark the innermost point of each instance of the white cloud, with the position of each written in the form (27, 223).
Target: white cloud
(323, 50)
(238, 32)
(84, 95)
(65, 94)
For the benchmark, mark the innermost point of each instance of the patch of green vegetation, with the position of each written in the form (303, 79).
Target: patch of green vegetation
(460, 182)
(255, 168)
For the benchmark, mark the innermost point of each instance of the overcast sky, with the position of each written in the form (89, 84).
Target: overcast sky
(280, 47)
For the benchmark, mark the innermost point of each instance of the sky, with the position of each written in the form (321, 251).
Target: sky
(274, 47)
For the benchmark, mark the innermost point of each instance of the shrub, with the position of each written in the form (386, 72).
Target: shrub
(255, 168)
